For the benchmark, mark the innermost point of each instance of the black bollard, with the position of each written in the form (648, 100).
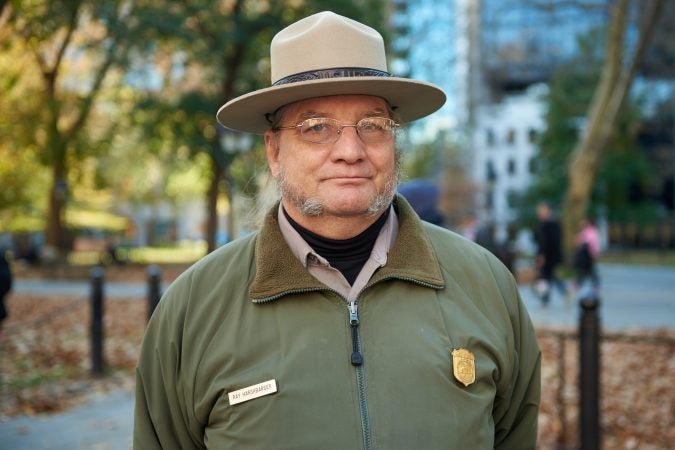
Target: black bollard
(97, 320)
(154, 290)
(589, 371)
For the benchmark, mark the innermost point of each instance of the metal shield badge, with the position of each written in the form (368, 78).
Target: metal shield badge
(463, 367)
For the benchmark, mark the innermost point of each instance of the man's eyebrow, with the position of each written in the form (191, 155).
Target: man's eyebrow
(311, 114)
(376, 112)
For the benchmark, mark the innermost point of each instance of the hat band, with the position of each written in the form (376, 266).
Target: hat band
(340, 72)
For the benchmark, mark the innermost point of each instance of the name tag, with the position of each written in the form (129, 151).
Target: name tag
(251, 392)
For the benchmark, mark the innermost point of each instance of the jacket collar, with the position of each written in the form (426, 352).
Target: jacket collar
(279, 272)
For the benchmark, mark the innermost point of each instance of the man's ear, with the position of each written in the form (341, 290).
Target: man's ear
(272, 152)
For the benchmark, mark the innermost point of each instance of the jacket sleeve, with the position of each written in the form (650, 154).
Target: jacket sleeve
(163, 416)
(516, 407)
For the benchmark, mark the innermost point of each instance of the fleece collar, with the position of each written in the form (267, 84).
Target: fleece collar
(279, 272)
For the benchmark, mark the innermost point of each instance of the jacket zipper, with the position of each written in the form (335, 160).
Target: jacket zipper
(357, 357)
(357, 362)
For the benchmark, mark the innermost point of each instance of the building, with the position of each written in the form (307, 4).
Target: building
(504, 144)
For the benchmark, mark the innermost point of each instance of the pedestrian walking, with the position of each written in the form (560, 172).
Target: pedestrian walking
(586, 254)
(548, 237)
(5, 286)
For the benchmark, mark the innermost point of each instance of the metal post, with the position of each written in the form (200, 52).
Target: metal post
(154, 290)
(97, 361)
(589, 372)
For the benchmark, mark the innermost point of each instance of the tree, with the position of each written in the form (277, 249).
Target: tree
(72, 46)
(23, 177)
(609, 98)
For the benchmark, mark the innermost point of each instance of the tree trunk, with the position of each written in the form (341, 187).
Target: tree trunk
(613, 88)
(55, 239)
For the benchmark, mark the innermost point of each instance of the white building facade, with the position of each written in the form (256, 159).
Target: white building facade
(504, 144)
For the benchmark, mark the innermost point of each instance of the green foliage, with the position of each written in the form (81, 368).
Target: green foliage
(130, 115)
(421, 161)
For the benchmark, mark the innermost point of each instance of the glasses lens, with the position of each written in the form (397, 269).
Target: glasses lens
(376, 129)
(319, 130)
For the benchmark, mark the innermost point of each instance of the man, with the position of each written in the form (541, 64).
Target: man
(345, 322)
(549, 252)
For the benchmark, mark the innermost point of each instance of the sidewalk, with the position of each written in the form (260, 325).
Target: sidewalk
(631, 297)
(102, 423)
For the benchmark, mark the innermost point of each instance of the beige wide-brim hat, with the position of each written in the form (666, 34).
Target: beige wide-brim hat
(328, 54)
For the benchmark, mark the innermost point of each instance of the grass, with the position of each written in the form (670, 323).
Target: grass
(184, 253)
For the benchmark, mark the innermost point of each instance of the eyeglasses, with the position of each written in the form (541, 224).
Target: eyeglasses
(322, 130)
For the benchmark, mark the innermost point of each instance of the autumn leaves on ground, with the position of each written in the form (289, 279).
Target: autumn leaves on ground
(45, 348)
(45, 368)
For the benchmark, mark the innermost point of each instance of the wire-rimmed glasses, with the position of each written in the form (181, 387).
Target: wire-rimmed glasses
(324, 130)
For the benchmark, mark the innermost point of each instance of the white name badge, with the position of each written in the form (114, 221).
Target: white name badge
(251, 392)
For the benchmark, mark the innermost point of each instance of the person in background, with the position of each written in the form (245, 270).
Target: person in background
(548, 237)
(469, 227)
(423, 197)
(5, 286)
(345, 322)
(586, 255)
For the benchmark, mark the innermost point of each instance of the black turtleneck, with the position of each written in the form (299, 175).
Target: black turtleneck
(346, 255)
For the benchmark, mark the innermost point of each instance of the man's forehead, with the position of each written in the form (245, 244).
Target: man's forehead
(329, 106)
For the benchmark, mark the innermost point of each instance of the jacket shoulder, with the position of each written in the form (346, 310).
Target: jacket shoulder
(227, 265)
(451, 245)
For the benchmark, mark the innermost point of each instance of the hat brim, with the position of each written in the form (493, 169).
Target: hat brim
(410, 99)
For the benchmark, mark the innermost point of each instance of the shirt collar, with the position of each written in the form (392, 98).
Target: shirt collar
(307, 256)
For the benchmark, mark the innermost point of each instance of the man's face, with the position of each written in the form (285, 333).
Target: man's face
(347, 178)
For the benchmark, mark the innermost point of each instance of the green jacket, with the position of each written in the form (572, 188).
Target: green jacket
(250, 313)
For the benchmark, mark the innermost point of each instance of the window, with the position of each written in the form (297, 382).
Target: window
(511, 167)
(490, 173)
(490, 137)
(532, 136)
(511, 136)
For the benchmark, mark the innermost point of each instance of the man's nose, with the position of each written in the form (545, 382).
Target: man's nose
(349, 147)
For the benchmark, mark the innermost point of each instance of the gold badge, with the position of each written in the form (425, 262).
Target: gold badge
(463, 367)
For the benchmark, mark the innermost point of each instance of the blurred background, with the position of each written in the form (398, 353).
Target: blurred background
(110, 154)
(109, 139)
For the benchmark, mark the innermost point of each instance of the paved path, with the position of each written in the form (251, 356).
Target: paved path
(632, 297)
(79, 288)
(103, 423)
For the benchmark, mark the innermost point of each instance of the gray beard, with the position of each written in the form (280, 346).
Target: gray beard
(313, 207)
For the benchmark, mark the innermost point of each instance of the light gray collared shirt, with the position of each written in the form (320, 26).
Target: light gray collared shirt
(321, 269)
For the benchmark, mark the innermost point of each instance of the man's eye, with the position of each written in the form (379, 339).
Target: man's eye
(369, 126)
(316, 126)
(319, 127)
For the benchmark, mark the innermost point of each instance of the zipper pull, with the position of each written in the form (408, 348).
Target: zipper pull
(357, 358)
(353, 313)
